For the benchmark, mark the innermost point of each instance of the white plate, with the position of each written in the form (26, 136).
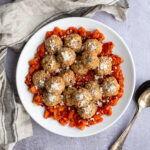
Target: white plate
(36, 112)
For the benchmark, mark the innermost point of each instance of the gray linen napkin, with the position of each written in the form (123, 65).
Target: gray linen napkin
(18, 22)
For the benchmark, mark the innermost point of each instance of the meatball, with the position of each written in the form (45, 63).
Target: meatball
(74, 42)
(68, 96)
(93, 45)
(90, 60)
(94, 89)
(82, 97)
(105, 66)
(88, 111)
(49, 63)
(39, 78)
(51, 99)
(110, 86)
(53, 44)
(79, 68)
(55, 85)
(66, 56)
(69, 77)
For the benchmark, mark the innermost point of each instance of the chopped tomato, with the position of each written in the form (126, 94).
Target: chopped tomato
(61, 113)
(41, 50)
(71, 113)
(107, 110)
(33, 61)
(28, 80)
(33, 90)
(107, 48)
(37, 99)
(46, 114)
(48, 34)
(116, 60)
(98, 35)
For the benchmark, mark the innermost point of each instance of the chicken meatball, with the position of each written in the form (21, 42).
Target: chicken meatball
(74, 42)
(88, 111)
(51, 99)
(110, 86)
(49, 63)
(68, 96)
(66, 56)
(39, 78)
(69, 77)
(105, 66)
(79, 68)
(55, 85)
(82, 97)
(93, 45)
(94, 89)
(53, 44)
(90, 60)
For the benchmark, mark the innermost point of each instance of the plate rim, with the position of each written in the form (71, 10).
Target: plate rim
(132, 62)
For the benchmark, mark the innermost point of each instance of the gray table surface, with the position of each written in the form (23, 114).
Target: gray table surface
(136, 32)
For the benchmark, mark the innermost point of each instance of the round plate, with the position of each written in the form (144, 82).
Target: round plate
(37, 112)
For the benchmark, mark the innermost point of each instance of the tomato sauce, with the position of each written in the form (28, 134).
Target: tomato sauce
(65, 114)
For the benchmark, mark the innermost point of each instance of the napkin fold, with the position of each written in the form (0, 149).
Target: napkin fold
(18, 22)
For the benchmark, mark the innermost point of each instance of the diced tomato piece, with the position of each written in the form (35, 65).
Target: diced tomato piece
(33, 61)
(114, 101)
(72, 124)
(33, 90)
(88, 34)
(63, 122)
(107, 48)
(98, 35)
(116, 60)
(71, 30)
(61, 108)
(46, 114)
(31, 70)
(81, 124)
(82, 32)
(48, 34)
(28, 79)
(99, 120)
(41, 50)
(97, 117)
(37, 99)
(71, 113)
(107, 110)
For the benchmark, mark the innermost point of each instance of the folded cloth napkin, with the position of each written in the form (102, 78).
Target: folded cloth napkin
(18, 22)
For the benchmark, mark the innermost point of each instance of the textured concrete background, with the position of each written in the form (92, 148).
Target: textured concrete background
(136, 32)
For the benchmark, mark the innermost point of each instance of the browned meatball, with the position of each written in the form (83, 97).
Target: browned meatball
(88, 111)
(110, 86)
(66, 56)
(49, 63)
(55, 85)
(39, 78)
(51, 99)
(68, 96)
(69, 77)
(79, 68)
(53, 44)
(90, 60)
(94, 89)
(74, 42)
(82, 97)
(93, 45)
(105, 66)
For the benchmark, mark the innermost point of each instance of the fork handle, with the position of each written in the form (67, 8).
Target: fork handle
(120, 141)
